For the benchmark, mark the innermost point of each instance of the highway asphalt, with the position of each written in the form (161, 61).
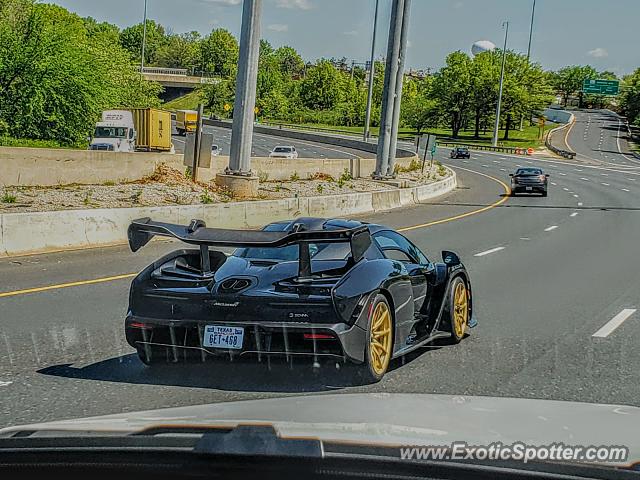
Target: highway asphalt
(264, 144)
(552, 277)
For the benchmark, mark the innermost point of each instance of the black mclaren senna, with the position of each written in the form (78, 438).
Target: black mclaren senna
(314, 288)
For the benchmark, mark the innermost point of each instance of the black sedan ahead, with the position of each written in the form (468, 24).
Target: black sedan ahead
(529, 180)
(460, 152)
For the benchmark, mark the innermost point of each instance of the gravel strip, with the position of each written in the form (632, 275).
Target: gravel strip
(170, 187)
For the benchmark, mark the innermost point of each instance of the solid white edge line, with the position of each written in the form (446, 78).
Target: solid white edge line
(609, 327)
(489, 252)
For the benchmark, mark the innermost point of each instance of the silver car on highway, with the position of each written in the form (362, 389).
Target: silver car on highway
(284, 151)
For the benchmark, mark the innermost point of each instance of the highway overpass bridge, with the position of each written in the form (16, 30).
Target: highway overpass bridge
(176, 81)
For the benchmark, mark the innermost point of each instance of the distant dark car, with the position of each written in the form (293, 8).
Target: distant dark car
(529, 180)
(311, 287)
(460, 152)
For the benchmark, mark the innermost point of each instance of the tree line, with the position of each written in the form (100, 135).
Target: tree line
(58, 71)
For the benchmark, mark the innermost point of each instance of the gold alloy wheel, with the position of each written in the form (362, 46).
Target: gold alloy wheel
(460, 309)
(380, 340)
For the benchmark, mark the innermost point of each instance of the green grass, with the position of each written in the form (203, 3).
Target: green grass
(528, 137)
(187, 102)
(8, 198)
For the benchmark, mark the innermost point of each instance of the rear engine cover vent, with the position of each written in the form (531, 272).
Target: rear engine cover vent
(234, 285)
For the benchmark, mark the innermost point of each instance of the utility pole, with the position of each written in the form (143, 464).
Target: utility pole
(372, 73)
(243, 109)
(496, 128)
(404, 37)
(388, 96)
(533, 17)
(144, 36)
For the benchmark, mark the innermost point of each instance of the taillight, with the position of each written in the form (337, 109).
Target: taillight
(543, 178)
(317, 336)
(140, 325)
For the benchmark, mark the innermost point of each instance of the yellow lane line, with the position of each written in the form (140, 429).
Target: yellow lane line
(507, 192)
(406, 229)
(66, 285)
(566, 136)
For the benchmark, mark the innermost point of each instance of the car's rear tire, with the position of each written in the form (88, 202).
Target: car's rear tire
(458, 309)
(379, 345)
(544, 194)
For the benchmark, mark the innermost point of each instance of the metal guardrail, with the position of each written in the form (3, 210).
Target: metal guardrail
(556, 150)
(487, 148)
(183, 72)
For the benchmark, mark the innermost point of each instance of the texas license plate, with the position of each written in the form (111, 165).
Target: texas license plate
(221, 336)
(529, 189)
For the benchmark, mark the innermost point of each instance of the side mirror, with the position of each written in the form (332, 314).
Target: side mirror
(450, 258)
(547, 175)
(511, 174)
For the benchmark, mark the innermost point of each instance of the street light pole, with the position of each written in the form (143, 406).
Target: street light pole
(504, 60)
(245, 101)
(372, 72)
(404, 37)
(533, 17)
(388, 95)
(144, 36)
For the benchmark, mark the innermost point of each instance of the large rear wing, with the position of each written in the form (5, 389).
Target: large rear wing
(141, 232)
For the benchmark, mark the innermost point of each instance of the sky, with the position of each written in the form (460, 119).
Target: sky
(566, 32)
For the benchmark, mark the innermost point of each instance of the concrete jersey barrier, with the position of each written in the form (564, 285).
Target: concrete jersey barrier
(25, 233)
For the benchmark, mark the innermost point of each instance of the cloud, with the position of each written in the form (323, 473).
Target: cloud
(598, 53)
(278, 27)
(300, 4)
(351, 33)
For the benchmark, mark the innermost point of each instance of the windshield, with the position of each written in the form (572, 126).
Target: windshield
(110, 132)
(443, 221)
(529, 171)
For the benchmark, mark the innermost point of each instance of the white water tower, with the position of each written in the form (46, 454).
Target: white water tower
(482, 46)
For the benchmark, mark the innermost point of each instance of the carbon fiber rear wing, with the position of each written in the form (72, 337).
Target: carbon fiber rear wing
(141, 232)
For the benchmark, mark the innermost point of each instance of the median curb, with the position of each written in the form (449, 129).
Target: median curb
(44, 232)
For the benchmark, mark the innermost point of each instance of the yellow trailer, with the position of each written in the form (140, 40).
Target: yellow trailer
(153, 129)
(186, 121)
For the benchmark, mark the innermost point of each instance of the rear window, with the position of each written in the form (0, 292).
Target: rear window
(319, 251)
(529, 171)
(282, 149)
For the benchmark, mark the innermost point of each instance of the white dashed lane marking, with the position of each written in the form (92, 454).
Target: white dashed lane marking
(609, 327)
(551, 228)
(574, 214)
(489, 252)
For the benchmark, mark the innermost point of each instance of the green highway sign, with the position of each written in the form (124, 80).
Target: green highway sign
(601, 87)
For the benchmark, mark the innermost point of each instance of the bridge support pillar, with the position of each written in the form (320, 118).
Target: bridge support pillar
(241, 186)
